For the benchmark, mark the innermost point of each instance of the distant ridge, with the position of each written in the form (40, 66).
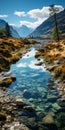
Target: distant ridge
(23, 31)
(14, 33)
(46, 27)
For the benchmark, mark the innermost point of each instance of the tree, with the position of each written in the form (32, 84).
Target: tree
(54, 35)
(2, 32)
(53, 11)
(8, 32)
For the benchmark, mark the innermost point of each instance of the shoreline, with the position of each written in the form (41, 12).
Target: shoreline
(51, 64)
(9, 106)
(11, 51)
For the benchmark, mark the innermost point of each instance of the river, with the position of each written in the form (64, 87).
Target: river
(34, 84)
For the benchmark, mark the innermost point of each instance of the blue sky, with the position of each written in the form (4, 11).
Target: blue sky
(27, 12)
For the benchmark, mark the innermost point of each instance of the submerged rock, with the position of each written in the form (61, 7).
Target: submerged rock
(61, 102)
(20, 102)
(56, 106)
(26, 94)
(48, 119)
(49, 122)
(29, 108)
(51, 98)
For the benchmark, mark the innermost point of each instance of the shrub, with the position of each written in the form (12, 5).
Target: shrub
(57, 72)
(49, 60)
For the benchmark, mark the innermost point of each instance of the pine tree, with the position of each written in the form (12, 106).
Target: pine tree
(8, 32)
(2, 32)
(53, 11)
(54, 35)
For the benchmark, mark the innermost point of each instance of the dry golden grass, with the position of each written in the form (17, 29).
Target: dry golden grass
(11, 49)
(54, 53)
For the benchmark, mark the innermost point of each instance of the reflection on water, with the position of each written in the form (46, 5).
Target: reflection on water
(33, 84)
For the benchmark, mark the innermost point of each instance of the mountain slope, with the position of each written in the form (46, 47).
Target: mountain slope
(24, 31)
(14, 33)
(46, 27)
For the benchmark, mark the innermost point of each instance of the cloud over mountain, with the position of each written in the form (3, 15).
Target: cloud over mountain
(38, 15)
(32, 25)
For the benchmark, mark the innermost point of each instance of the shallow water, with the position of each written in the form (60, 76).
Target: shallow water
(34, 84)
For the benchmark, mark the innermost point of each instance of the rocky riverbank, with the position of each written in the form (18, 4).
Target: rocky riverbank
(54, 58)
(11, 49)
(8, 110)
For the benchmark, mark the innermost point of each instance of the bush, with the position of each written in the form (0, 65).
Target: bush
(57, 72)
(49, 60)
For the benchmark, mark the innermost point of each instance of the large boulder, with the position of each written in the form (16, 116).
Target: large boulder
(48, 119)
(49, 122)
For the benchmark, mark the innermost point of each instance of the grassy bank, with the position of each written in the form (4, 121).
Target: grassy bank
(54, 58)
(11, 49)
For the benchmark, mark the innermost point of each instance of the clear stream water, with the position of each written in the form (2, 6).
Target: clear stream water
(33, 84)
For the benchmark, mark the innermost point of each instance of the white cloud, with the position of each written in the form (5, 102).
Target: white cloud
(19, 13)
(43, 13)
(39, 14)
(32, 25)
(3, 16)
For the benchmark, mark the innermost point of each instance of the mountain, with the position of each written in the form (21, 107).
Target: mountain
(23, 31)
(46, 27)
(14, 33)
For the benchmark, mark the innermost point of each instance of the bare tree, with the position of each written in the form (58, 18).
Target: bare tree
(54, 11)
